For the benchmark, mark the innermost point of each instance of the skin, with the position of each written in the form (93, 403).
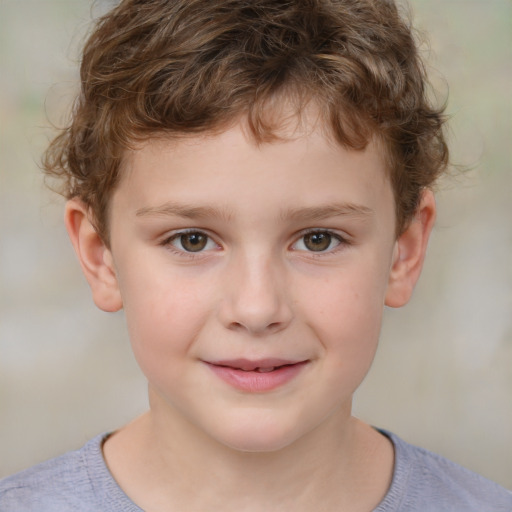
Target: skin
(256, 290)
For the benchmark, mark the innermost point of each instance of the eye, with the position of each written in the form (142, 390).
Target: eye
(318, 241)
(192, 241)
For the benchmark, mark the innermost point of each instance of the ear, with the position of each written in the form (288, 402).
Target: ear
(94, 256)
(409, 253)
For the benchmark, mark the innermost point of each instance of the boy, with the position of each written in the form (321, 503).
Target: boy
(250, 182)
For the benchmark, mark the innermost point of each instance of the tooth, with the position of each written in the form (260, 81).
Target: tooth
(266, 370)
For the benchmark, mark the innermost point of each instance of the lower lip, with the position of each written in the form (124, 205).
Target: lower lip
(257, 382)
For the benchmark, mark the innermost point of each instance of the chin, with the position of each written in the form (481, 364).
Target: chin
(258, 436)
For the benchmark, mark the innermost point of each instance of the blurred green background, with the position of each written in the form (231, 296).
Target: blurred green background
(443, 374)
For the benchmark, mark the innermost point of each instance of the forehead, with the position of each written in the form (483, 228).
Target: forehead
(237, 177)
(284, 126)
(283, 117)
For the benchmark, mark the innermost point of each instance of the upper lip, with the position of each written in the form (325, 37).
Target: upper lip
(252, 364)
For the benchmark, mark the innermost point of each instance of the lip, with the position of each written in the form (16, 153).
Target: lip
(257, 376)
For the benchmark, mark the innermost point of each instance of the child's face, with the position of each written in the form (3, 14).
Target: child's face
(231, 257)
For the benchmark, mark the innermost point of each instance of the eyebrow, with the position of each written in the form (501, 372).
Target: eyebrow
(315, 213)
(183, 210)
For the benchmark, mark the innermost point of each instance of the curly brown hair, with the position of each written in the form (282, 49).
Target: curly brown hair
(175, 67)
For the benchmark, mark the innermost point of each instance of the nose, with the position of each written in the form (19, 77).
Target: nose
(255, 296)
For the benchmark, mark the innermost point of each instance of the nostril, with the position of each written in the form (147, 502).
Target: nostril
(243, 311)
(270, 328)
(236, 326)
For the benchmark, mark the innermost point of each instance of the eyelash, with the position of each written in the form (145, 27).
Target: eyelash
(341, 242)
(168, 242)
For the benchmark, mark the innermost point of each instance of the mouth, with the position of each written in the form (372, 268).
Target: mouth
(257, 375)
(258, 365)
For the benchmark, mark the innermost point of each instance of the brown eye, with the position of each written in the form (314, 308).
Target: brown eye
(193, 242)
(320, 241)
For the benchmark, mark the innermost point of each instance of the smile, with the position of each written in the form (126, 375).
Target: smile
(257, 376)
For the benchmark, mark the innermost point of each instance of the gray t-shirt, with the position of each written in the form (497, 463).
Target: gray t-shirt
(79, 481)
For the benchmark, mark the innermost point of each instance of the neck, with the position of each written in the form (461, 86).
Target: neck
(342, 464)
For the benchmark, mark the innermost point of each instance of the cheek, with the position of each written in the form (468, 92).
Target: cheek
(345, 312)
(164, 314)
(347, 296)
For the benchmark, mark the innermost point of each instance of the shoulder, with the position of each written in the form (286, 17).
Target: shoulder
(424, 481)
(78, 481)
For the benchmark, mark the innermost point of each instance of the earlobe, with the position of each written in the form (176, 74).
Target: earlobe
(409, 253)
(94, 256)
